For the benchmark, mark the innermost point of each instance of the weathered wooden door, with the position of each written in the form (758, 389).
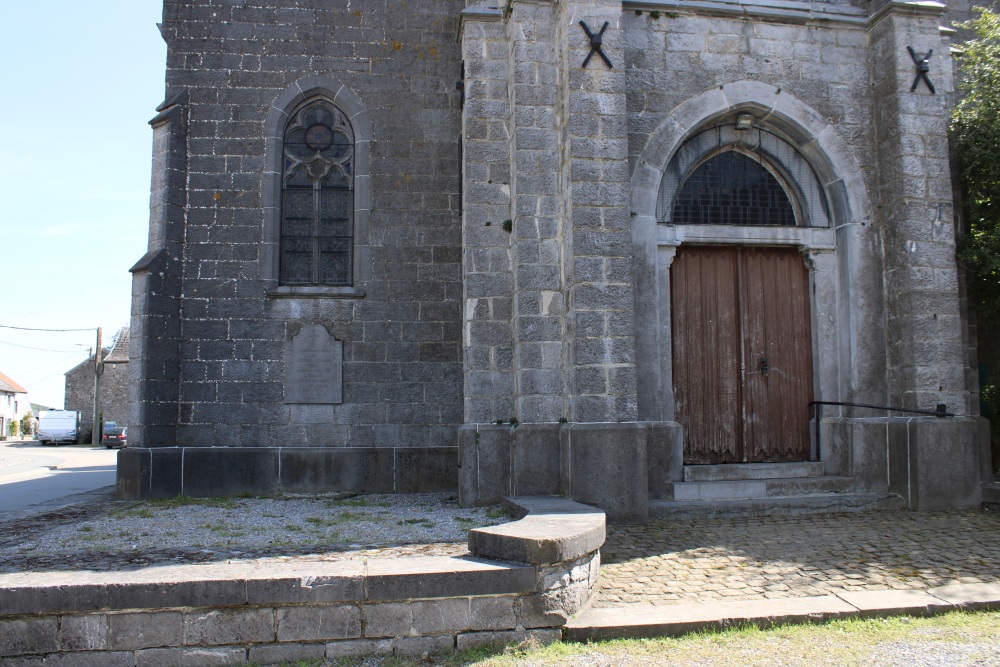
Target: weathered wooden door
(742, 353)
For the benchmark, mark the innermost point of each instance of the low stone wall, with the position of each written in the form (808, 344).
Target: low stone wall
(222, 614)
(165, 472)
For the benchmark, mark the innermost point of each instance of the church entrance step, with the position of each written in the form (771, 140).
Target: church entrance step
(785, 505)
(744, 471)
(991, 493)
(760, 488)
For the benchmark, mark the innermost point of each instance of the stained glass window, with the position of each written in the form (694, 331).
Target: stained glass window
(317, 197)
(733, 189)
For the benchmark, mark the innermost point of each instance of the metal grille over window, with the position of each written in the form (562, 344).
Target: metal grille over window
(732, 189)
(741, 176)
(317, 203)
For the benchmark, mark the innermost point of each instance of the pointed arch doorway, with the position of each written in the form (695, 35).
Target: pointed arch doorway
(740, 320)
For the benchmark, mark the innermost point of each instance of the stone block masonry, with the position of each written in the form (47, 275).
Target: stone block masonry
(233, 613)
(400, 324)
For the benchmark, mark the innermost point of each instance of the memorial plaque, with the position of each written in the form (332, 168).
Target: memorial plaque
(314, 367)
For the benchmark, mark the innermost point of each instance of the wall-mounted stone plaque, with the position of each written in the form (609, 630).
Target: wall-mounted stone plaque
(314, 367)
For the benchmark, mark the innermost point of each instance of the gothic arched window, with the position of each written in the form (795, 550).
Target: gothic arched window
(732, 189)
(317, 197)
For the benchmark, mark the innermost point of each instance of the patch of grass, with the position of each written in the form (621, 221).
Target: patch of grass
(498, 512)
(85, 529)
(141, 513)
(318, 520)
(292, 527)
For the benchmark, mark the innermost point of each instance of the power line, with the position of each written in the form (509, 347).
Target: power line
(7, 326)
(39, 349)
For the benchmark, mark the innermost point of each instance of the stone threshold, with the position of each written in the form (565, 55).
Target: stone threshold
(636, 621)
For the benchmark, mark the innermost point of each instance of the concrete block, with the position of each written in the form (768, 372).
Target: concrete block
(83, 633)
(190, 657)
(130, 631)
(544, 535)
(387, 619)
(971, 596)
(319, 622)
(230, 471)
(672, 620)
(535, 460)
(30, 635)
(91, 659)
(484, 463)
(935, 463)
(665, 456)
(351, 648)
(362, 470)
(434, 577)
(286, 653)
(425, 469)
(229, 627)
(536, 611)
(720, 490)
(470, 640)
(605, 464)
(492, 613)
(893, 603)
(436, 616)
(307, 584)
(421, 645)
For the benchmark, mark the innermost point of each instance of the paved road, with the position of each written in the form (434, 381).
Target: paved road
(31, 475)
(670, 562)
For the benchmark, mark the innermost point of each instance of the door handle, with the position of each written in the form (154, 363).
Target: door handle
(762, 366)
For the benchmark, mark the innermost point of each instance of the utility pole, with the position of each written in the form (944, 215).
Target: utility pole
(95, 433)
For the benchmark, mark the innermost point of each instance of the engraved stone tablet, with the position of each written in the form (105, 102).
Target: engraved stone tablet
(314, 367)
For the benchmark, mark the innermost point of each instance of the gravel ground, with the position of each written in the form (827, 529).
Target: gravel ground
(108, 534)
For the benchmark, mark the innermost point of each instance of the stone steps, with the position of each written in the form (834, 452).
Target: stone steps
(747, 471)
(759, 488)
(818, 503)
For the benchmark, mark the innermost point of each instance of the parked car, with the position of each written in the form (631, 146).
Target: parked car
(115, 437)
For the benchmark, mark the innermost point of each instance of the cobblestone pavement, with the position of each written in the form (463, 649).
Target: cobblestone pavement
(672, 561)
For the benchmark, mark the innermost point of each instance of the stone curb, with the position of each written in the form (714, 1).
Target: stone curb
(638, 621)
(548, 530)
(226, 585)
(225, 613)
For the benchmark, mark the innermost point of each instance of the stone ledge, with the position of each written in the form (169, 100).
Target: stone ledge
(548, 530)
(644, 621)
(226, 585)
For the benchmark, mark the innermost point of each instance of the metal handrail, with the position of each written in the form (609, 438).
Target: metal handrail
(941, 411)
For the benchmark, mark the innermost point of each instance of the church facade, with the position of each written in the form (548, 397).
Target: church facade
(634, 253)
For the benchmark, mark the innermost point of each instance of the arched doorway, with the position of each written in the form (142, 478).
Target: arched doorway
(740, 314)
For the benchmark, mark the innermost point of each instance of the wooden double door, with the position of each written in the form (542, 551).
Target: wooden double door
(742, 353)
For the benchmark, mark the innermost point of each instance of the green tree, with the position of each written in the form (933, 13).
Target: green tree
(975, 127)
(976, 131)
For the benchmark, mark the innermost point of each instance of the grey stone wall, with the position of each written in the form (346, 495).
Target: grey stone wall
(402, 349)
(79, 394)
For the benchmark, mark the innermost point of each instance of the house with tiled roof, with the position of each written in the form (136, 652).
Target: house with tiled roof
(14, 403)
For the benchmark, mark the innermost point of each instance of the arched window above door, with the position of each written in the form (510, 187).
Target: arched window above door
(740, 177)
(732, 188)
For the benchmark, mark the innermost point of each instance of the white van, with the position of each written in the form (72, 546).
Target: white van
(58, 426)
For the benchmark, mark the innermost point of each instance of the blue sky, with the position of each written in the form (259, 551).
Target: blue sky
(78, 83)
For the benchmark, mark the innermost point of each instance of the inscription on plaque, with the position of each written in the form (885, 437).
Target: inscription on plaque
(314, 367)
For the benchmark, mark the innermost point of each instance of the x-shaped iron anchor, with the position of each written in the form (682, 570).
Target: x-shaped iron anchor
(595, 44)
(923, 67)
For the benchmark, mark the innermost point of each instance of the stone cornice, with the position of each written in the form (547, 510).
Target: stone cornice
(787, 11)
(921, 8)
(478, 14)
